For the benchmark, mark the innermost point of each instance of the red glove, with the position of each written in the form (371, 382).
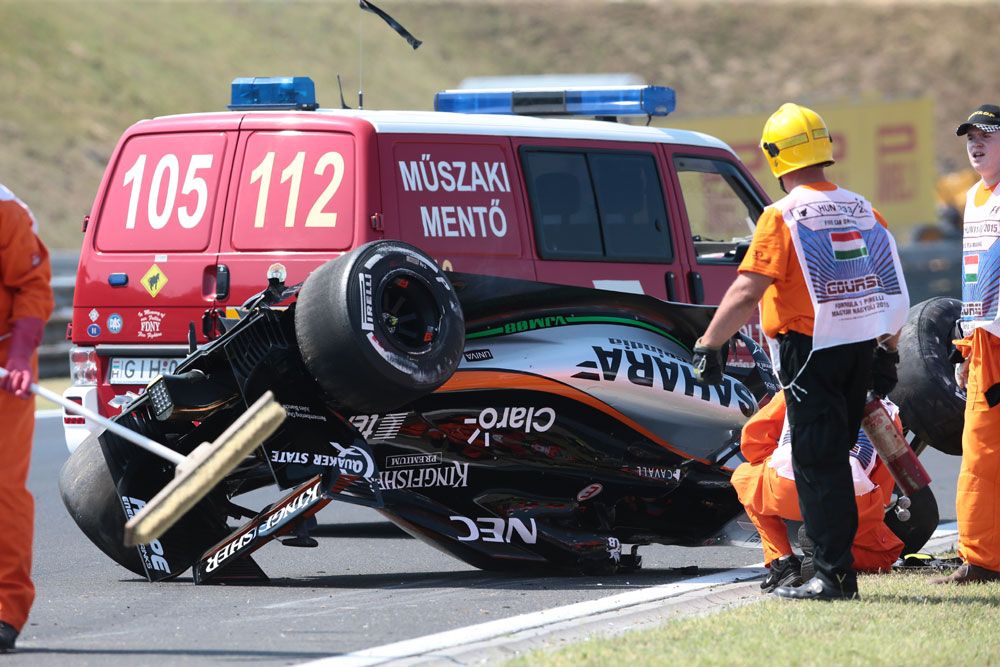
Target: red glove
(25, 337)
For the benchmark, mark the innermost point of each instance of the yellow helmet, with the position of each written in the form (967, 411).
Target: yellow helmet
(795, 137)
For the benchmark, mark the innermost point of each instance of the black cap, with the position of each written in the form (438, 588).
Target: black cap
(986, 118)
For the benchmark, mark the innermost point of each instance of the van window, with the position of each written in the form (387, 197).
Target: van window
(597, 205)
(162, 194)
(721, 208)
(296, 192)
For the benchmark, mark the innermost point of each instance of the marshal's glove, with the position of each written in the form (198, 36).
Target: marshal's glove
(708, 363)
(884, 376)
(25, 337)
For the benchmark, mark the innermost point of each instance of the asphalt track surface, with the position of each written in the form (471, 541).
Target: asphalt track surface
(365, 586)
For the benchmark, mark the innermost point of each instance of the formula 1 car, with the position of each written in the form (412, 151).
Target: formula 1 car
(512, 424)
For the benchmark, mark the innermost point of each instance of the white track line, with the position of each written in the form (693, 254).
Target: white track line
(505, 626)
(944, 538)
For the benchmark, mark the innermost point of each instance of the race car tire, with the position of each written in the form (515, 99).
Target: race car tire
(379, 327)
(930, 402)
(94, 502)
(89, 494)
(922, 523)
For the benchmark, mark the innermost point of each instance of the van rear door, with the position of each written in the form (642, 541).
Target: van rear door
(148, 261)
(301, 195)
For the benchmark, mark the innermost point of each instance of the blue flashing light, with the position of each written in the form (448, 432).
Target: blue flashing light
(581, 101)
(273, 92)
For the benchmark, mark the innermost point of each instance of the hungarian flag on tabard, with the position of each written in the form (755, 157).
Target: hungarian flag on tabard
(848, 245)
(971, 265)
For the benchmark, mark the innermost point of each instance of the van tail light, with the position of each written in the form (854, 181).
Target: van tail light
(83, 366)
(73, 420)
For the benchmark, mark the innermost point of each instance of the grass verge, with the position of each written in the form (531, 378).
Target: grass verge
(57, 385)
(901, 620)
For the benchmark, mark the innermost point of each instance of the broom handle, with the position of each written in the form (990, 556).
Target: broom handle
(150, 446)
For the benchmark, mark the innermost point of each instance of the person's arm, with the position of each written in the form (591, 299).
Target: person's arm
(25, 272)
(889, 342)
(736, 308)
(886, 356)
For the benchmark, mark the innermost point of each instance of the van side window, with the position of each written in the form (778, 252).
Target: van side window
(721, 208)
(562, 202)
(597, 205)
(633, 216)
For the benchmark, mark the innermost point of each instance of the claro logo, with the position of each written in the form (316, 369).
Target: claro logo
(494, 529)
(152, 553)
(530, 420)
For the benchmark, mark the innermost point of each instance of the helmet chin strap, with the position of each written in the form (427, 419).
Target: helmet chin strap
(781, 184)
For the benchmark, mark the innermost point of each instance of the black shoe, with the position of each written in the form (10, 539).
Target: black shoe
(817, 589)
(8, 635)
(783, 571)
(808, 547)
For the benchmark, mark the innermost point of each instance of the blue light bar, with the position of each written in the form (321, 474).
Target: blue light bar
(581, 101)
(273, 92)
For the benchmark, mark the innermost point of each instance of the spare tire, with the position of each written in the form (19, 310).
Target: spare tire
(379, 327)
(930, 402)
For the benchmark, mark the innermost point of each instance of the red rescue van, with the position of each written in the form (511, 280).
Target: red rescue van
(193, 209)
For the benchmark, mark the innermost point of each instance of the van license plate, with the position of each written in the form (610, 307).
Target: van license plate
(139, 370)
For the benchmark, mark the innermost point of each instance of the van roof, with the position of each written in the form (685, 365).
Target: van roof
(436, 122)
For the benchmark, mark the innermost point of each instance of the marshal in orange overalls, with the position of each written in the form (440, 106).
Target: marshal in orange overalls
(978, 496)
(25, 296)
(770, 498)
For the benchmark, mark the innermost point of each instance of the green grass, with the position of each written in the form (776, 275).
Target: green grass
(76, 73)
(901, 620)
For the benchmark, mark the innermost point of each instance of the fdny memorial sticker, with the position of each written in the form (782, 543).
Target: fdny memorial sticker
(150, 322)
(154, 280)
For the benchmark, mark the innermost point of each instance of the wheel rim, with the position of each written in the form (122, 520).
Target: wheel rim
(409, 313)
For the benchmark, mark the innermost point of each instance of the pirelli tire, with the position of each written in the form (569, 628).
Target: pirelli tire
(930, 402)
(379, 326)
(89, 494)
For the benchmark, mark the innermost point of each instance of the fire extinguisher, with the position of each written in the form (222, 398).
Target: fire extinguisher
(897, 455)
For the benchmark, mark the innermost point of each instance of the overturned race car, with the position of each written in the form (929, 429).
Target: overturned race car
(512, 424)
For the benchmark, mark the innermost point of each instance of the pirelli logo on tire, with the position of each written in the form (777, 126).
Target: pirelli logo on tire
(367, 316)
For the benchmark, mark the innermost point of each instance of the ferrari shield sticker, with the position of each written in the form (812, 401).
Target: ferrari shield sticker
(154, 280)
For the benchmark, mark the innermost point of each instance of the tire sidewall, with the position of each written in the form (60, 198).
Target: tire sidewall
(930, 403)
(344, 339)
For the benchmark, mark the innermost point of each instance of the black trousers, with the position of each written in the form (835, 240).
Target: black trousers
(824, 416)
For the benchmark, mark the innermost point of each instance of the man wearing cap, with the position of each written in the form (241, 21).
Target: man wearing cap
(977, 505)
(826, 273)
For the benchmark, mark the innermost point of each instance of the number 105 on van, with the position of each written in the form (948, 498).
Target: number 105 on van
(139, 370)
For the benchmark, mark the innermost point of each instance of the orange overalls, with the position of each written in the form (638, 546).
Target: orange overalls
(770, 498)
(25, 291)
(977, 501)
